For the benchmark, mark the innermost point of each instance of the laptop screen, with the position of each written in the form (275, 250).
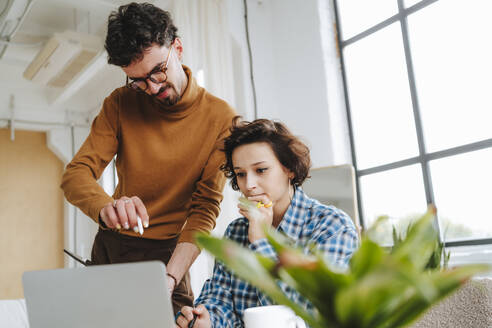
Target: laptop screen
(116, 295)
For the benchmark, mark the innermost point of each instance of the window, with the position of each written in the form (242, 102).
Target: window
(416, 76)
(200, 78)
(109, 177)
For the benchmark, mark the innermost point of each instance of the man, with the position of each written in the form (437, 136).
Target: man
(166, 133)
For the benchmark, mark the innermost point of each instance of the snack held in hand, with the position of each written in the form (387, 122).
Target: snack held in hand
(251, 206)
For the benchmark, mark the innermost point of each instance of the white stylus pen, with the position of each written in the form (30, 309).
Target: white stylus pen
(139, 229)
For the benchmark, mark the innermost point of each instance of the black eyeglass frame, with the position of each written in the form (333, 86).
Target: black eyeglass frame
(132, 84)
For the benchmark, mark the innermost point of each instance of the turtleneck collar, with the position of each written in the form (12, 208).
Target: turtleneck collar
(185, 105)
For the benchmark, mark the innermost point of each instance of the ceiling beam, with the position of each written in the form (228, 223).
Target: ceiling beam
(94, 67)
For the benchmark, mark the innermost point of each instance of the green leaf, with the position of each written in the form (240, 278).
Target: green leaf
(419, 243)
(368, 257)
(371, 233)
(375, 293)
(311, 275)
(254, 269)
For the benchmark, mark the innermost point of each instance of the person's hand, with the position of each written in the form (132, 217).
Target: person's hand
(122, 213)
(258, 216)
(186, 316)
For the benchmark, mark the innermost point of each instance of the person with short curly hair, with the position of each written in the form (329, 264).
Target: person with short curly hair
(292, 153)
(268, 164)
(166, 132)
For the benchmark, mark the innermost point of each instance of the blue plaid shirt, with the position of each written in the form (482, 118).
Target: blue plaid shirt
(306, 221)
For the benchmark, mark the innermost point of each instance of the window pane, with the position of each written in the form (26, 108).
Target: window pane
(357, 16)
(462, 189)
(409, 3)
(452, 54)
(463, 255)
(107, 179)
(470, 255)
(380, 103)
(398, 193)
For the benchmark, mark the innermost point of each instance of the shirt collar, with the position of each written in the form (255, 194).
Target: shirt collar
(295, 216)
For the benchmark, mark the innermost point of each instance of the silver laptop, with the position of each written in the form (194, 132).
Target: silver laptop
(116, 295)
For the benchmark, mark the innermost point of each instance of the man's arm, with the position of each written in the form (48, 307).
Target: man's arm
(206, 198)
(183, 257)
(204, 209)
(79, 181)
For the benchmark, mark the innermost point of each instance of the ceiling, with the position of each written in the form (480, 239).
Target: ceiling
(44, 18)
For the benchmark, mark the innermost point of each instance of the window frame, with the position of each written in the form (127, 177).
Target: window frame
(424, 157)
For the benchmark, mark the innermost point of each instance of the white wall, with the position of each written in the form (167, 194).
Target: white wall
(296, 70)
(242, 83)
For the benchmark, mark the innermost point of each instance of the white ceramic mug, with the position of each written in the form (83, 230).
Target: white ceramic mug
(272, 316)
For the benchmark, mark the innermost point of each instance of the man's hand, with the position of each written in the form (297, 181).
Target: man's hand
(202, 317)
(122, 213)
(258, 217)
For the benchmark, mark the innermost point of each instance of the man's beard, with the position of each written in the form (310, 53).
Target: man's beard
(170, 100)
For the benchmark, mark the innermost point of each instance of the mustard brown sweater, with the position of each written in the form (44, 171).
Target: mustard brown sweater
(168, 156)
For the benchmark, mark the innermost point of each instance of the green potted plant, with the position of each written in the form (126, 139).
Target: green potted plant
(439, 257)
(380, 289)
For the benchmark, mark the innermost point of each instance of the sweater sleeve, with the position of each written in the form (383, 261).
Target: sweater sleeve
(205, 203)
(79, 181)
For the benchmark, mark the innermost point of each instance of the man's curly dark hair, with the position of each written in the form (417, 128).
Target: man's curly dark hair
(135, 27)
(291, 152)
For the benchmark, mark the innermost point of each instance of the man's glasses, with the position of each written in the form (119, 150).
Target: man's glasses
(158, 75)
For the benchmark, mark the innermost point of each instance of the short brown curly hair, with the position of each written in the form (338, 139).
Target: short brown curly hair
(291, 152)
(135, 27)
